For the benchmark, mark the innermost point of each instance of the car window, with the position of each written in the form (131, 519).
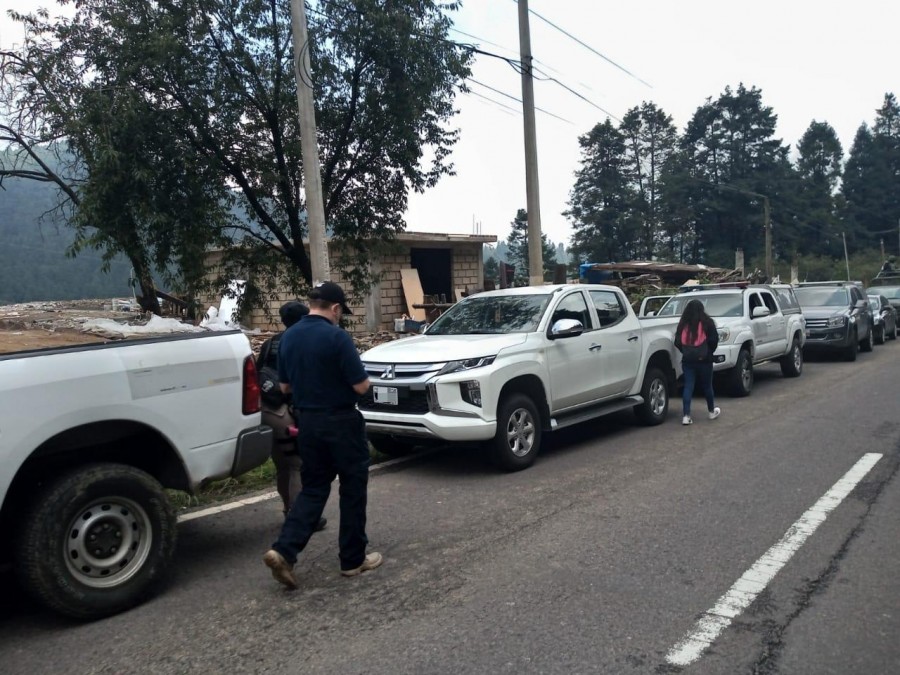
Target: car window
(769, 301)
(890, 292)
(754, 302)
(718, 305)
(787, 299)
(823, 296)
(609, 308)
(480, 314)
(573, 306)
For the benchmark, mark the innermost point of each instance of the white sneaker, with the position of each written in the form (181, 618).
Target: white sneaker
(715, 413)
(687, 420)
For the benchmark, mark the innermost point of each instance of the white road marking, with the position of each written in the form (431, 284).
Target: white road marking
(228, 506)
(754, 580)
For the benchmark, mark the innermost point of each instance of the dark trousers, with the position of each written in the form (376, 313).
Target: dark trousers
(697, 372)
(330, 444)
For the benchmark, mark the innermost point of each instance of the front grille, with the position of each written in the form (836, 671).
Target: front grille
(817, 323)
(409, 401)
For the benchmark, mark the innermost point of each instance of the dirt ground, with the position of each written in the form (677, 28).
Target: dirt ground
(16, 341)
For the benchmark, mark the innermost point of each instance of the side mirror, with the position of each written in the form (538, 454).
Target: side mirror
(861, 304)
(650, 313)
(566, 328)
(759, 312)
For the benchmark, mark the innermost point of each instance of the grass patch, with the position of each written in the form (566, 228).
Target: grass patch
(260, 478)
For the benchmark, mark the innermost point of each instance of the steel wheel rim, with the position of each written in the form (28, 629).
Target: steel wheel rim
(658, 397)
(798, 358)
(108, 542)
(746, 374)
(520, 432)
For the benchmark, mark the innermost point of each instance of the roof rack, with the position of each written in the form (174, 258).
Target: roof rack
(688, 288)
(836, 282)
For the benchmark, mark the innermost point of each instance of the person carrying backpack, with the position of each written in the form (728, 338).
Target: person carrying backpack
(697, 339)
(276, 412)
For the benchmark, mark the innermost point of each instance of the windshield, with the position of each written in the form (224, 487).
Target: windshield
(822, 296)
(492, 314)
(890, 292)
(721, 305)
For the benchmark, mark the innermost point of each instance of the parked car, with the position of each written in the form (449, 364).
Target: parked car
(91, 437)
(891, 292)
(503, 367)
(756, 323)
(838, 317)
(885, 317)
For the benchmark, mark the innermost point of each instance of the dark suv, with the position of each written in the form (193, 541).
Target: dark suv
(838, 317)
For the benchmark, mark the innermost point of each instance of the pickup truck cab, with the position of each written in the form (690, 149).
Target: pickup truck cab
(503, 367)
(754, 328)
(838, 317)
(89, 438)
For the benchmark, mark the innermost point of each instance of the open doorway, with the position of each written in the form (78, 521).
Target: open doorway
(435, 266)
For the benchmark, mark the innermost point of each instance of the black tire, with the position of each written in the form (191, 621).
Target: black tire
(867, 345)
(851, 351)
(740, 378)
(391, 445)
(893, 334)
(518, 438)
(880, 335)
(118, 509)
(792, 362)
(655, 392)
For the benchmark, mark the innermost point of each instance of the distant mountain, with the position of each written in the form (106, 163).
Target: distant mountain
(33, 264)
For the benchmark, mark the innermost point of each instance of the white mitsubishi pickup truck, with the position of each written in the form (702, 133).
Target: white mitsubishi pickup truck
(89, 438)
(503, 367)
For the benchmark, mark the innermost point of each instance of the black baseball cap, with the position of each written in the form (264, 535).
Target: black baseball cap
(291, 312)
(330, 292)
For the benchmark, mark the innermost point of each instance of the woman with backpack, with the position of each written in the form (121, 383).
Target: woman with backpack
(697, 339)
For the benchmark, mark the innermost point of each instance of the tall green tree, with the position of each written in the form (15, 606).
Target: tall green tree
(517, 241)
(650, 140)
(604, 229)
(815, 225)
(871, 182)
(221, 74)
(730, 156)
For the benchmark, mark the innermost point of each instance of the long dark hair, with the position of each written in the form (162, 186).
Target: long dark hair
(693, 315)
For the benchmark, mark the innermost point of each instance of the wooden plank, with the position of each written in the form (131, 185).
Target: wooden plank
(412, 290)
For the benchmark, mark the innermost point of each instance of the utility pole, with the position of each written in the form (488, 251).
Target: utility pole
(770, 269)
(882, 250)
(309, 147)
(532, 188)
(846, 257)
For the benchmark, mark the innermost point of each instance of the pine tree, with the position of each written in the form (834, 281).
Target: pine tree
(517, 241)
(815, 227)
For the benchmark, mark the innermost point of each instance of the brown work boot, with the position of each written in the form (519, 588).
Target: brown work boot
(372, 561)
(282, 572)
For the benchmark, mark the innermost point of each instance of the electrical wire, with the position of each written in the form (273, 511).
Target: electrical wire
(588, 47)
(518, 100)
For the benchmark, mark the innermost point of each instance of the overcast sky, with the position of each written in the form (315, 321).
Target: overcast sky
(813, 60)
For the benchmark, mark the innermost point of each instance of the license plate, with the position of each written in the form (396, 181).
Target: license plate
(385, 395)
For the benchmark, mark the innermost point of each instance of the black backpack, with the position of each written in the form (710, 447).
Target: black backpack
(270, 389)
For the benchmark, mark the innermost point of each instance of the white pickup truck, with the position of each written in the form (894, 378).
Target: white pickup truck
(757, 324)
(89, 438)
(503, 367)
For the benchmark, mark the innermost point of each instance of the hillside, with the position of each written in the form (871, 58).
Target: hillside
(33, 264)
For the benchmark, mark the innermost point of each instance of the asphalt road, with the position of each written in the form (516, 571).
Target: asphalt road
(601, 558)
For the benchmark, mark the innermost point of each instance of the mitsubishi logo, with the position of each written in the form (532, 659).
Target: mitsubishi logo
(389, 374)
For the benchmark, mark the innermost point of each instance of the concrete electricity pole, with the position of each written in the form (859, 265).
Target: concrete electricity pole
(309, 147)
(532, 188)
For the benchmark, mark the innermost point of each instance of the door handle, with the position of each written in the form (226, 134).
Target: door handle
(595, 347)
(633, 338)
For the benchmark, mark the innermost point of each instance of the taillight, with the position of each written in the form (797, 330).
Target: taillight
(250, 402)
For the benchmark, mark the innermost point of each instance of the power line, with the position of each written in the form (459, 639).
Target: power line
(588, 47)
(518, 100)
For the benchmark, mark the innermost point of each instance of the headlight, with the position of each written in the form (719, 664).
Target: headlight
(467, 364)
(837, 321)
(724, 334)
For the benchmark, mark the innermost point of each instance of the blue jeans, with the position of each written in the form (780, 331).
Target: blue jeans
(330, 444)
(697, 372)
